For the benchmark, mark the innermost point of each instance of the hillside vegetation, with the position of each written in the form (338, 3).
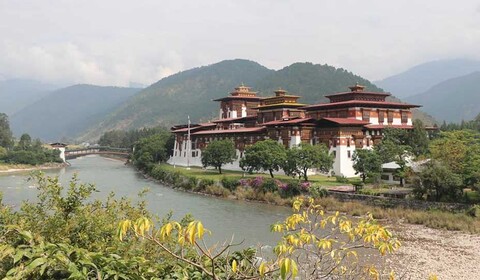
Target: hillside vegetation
(191, 92)
(68, 111)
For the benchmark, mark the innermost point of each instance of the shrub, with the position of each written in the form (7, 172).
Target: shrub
(229, 183)
(290, 189)
(217, 190)
(317, 191)
(341, 179)
(474, 211)
(203, 184)
(270, 185)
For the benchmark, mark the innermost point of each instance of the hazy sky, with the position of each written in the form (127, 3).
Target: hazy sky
(114, 42)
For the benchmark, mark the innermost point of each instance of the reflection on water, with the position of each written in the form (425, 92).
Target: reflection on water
(247, 221)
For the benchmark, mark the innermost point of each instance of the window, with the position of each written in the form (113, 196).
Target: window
(381, 117)
(349, 154)
(366, 115)
(404, 117)
(390, 117)
(334, 154)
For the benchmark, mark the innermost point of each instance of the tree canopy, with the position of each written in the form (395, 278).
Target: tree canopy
(306, 156)
(267, 155)
(218, 153)
(367, 163)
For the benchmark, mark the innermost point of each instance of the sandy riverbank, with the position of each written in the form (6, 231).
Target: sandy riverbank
(7, 169)
(447, 254)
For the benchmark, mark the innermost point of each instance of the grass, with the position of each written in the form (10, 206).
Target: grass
(214, 175)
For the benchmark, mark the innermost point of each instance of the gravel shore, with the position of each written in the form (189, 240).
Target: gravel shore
(426, 251)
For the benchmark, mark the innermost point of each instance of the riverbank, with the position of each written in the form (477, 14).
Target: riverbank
(233, 185)
(450, 255)
(16, 168)
(432, 243)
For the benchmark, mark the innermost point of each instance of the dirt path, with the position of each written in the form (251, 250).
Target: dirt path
(425, 251)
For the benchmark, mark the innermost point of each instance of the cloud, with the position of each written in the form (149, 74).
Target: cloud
(115, 42)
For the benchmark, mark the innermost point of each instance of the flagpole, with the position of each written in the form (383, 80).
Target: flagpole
(189, 144)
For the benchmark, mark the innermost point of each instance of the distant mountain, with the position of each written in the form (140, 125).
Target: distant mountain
(453, 100)
(16, 94)
(191, 92)
(424, 76)
(311, 81)
(68, 111)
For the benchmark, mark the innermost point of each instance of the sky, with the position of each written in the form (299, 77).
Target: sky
(115, 42)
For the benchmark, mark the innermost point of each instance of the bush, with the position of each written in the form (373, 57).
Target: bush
(290, 189)
(229, 183)
(203, 184)
(474, 211)
(270, 185)
(341, 179)
(217, 190)
(317, 191)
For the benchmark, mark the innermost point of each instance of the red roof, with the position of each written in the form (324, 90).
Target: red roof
(382, 126)
(352, 103)
(238, 97)
(359, 92)
(228, 131)
(346, 121)
(291, 121)
(234, 119)
(194, 127)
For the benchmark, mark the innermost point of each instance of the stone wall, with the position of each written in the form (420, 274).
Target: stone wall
(390, 202)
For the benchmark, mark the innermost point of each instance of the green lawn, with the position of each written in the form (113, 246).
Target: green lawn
(214, 175)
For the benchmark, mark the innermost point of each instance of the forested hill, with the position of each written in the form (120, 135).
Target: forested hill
(453, 100)
(191, 92)
(311, 81)
(69, 111)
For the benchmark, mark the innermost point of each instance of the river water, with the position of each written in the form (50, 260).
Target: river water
(247, 221)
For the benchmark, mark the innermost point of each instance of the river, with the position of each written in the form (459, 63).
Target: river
(248, 221)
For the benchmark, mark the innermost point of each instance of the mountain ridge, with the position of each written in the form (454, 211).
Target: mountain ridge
(170, 100)
(422, 77)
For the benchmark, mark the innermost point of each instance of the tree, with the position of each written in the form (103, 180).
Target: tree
(367, 162)
(418, 138)
(218, 153)
(152, 149)
(460, 151)
(6, 138)
(268, 155)
(25, 142)
(304, 157)
(438, 182)
(388, 151)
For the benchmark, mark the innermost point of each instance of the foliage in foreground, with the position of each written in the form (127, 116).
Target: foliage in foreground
(67, 234)
(314, 244)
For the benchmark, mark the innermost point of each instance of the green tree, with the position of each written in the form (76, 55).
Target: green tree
(218, 153)
(304, 157)
(268, 155)
(438, 182)
(391, 151)
(152, 149)
(418, 138)
(460, 151)
(25, 142)
(6, 138)
(367, 163)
